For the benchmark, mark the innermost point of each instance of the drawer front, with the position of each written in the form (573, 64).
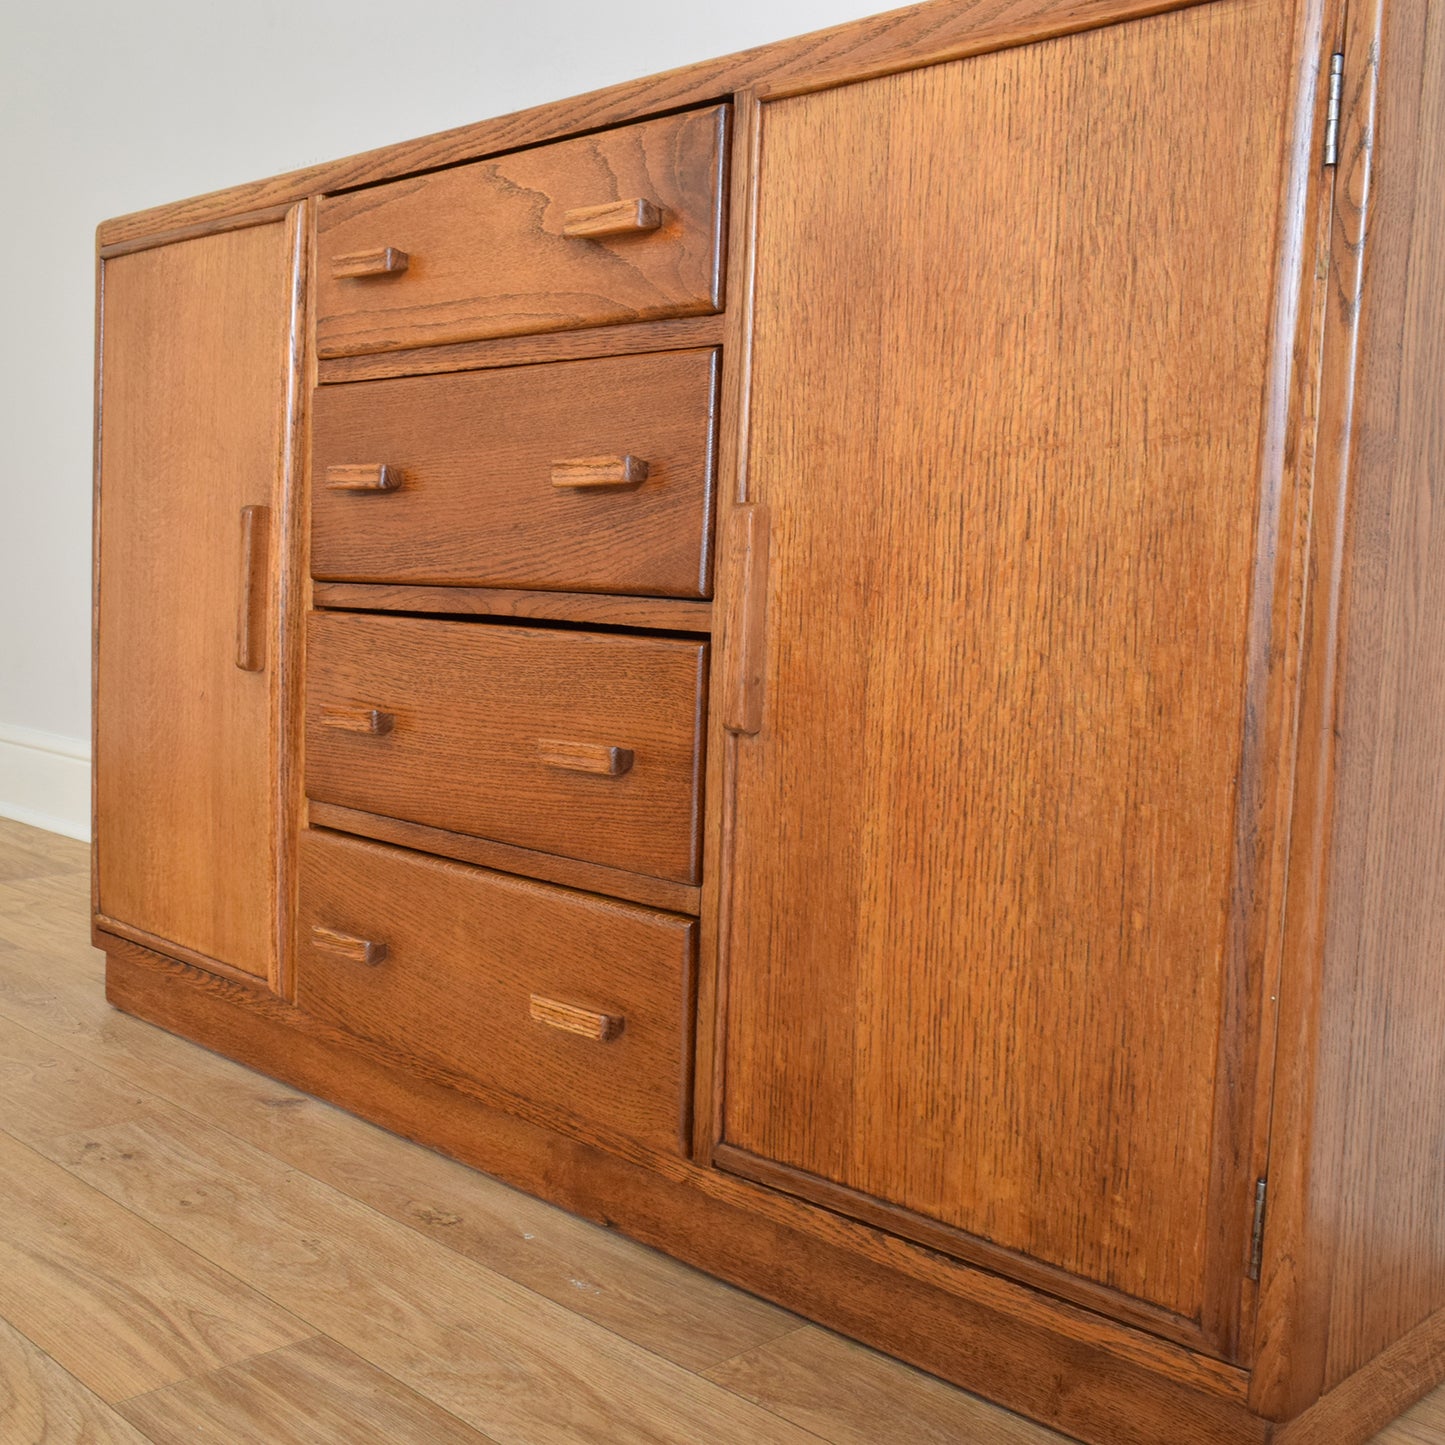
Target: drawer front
(584, 476)
(583, 744)
(624, 225)
(578, 1006)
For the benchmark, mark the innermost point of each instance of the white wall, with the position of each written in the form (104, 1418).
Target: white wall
(108, 108)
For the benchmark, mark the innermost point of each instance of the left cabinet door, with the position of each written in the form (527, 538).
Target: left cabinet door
(198, 397)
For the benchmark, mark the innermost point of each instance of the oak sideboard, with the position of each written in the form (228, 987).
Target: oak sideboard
(836, 658)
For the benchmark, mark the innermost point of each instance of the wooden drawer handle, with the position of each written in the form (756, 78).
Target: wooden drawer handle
(616, 218)
(607, 762)
(369, 720)
(623, 471)
(251, 620)
(574, 1020)
(384, 261)
(363, 477)
(348, 946)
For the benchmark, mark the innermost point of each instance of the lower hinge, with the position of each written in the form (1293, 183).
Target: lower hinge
(1256, 1239)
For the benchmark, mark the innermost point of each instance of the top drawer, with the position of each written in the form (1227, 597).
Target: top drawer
(624, 225)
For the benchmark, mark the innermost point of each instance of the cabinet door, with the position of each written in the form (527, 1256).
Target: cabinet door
(1011, 355)
(197, 382)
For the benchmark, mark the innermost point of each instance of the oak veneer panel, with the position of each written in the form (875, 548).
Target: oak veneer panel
(472, 701)
(488, 256)
(193, 428)
(476, 504)
(982, 849)
(1379, 1118)
(466, 953)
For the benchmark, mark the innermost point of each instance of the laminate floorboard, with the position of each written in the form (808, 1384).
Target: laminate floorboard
(192, 1251)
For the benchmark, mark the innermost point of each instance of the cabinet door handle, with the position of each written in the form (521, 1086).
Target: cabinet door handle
(357, 265)
(572, 1019)
(348, 946)
(597, 758)
(369, 720)
(363, 477)
(748, 639)
(251, 622)
(616, 218)
(620, 471)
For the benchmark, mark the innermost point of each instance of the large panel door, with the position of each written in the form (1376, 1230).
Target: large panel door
(197, 374)
(1011, 355)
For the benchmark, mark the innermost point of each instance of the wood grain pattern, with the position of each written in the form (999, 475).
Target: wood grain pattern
(501, 1360)
(848, 1395)
(1029, 644)
(504, 858)
(187, 742)
(467, 951)
(662, 614)
(479, 501)
(470, 702)
(1377, 1392)
(1364, 1254)
(491, 253)
(919, 34)
(69, 1262)
(56, 992)
(1125, 1388)
(43, 1405)
(305, 1394)
(683, 334)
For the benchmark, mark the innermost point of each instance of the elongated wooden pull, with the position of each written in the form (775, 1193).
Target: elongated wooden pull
(575, 1020)
(623, 471)
(251, 621)
(348, 946)
(363, 477)
(370, 720)
(748, 555)
(616, 218)
(384, 261)
(597, 758)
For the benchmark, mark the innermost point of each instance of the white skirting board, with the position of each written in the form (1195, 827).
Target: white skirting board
(45, 780)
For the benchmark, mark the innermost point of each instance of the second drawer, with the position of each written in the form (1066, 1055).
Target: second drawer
(584, 744)
(584, 476)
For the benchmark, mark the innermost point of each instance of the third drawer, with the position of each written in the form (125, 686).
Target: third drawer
(582, 476)
(583, 744)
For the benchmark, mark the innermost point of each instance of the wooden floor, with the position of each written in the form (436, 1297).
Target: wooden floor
(191, 1252)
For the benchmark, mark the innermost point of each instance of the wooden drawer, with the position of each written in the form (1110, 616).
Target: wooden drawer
(577, 1006)
(623, 225)
(585, 744)
(585, 476)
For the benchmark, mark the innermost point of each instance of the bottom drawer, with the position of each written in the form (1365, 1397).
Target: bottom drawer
(567, 1007)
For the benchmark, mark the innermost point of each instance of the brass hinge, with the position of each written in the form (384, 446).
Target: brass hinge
(1256, 1240)
(1332, 111)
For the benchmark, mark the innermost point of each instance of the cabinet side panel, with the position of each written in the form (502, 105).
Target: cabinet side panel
(1379, 1178)
(195, 350)
(1010, 350)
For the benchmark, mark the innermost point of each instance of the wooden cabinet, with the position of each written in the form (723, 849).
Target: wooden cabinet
(195, 432)
(869, 700)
